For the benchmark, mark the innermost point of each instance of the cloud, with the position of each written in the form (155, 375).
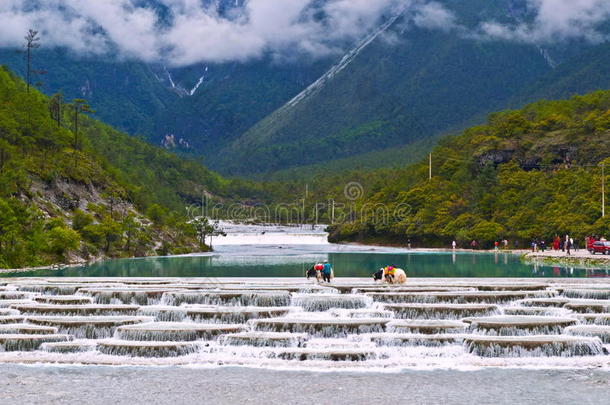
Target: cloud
(555, 21)
(183, 32)
(434, 15)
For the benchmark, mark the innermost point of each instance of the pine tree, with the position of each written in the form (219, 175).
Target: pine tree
(32, 41)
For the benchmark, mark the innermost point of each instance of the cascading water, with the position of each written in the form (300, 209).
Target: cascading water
(283, 322)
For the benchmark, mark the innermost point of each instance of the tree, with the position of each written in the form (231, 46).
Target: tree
(56, 107)
(204, 228)
(80, 106)
(32, 41)
(62, 240)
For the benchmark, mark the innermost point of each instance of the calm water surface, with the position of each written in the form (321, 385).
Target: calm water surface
(270, 261)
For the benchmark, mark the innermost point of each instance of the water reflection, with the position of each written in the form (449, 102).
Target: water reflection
(450, 264)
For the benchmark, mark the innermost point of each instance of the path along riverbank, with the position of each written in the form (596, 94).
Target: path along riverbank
(580, 257)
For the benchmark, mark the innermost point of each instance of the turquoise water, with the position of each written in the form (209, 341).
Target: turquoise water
(346, 264)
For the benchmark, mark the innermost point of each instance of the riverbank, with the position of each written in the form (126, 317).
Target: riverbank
(579, 258)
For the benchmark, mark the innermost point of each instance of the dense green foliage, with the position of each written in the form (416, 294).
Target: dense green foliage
(530, 173)
(68, 194)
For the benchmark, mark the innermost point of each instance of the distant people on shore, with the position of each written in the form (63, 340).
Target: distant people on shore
(474, 244)
(453, 245)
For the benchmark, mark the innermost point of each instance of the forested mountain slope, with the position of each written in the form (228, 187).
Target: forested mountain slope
(530, 173)
(70, 195)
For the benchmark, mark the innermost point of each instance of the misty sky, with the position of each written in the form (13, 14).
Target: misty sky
(192, 31)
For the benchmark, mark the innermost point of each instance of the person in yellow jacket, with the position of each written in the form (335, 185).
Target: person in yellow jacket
(389, 271)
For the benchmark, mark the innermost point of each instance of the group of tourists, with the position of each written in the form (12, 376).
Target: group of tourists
(323, 271)
(565, 244)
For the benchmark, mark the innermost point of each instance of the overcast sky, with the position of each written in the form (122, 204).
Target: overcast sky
(196, 32)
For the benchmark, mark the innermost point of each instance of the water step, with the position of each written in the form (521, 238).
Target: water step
(145, 349)
(512, 287)
(392, 288)
(425, 326)
(457, 296)
(4, 319)
(324, 302)
(89, 309)
(14, 295)
(348, 288)
(234, 314)
(303, 354)
(600, 331)
(241, 297)
(540, 311)
(441, 311)
(354, 342)
(509, 325)
(416, 339)
(164, 313)
(26, 329)
(321, 327)
(263, 339)
(599, 294)
(68, 347)
(19, 342)
(8, 311)
(361, 313)
(175, 331)
(139, 296)
(544, 302)
(598, 319)
(90, 327)
(589, 306)
(534, 346)
(9, 303)
(297, 288)
(57, 288)
(63, 299)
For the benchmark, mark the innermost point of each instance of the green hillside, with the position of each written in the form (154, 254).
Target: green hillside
(101, 194)
(530, 173)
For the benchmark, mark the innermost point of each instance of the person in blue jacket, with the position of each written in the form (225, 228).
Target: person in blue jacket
(327, 271)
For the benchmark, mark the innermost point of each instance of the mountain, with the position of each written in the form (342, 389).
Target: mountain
(400, 84)
(525, 174)
(423, 82)
(70, 195)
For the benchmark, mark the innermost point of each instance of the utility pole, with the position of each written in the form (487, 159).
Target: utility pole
(332, 217)
(430, 167)
(603, 191)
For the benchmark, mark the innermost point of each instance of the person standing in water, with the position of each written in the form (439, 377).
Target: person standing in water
(327, 271)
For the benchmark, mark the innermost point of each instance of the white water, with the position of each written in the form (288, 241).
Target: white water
(314, 328)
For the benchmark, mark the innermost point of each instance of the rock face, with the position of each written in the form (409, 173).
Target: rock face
(283, 323)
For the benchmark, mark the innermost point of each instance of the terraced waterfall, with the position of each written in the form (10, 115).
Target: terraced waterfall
(351, 323)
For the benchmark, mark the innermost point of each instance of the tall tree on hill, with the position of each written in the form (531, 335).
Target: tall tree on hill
(80, 107)
(32, 41)
(56, 104)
